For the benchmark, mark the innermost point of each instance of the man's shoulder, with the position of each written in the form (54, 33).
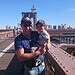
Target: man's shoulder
(18, 37)
(34, 34)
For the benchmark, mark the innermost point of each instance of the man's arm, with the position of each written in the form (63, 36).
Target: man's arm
(23, 56)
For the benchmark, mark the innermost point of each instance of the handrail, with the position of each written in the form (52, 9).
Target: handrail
(65, 61)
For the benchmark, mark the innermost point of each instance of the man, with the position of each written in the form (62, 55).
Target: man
(23, 47)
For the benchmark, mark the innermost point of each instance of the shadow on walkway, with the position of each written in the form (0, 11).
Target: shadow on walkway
(13, 68)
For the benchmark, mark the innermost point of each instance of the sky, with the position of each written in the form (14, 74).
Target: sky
(54, 12)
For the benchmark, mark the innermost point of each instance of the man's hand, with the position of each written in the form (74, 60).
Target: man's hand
(42, 49)
(39, 51)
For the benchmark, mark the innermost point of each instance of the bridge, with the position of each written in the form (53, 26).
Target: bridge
(59, 61)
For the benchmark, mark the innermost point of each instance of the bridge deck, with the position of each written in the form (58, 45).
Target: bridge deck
(9, 64)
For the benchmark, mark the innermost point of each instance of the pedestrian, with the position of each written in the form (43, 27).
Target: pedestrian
(23, 46)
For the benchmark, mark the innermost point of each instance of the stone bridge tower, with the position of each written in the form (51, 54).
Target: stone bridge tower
(32, 15)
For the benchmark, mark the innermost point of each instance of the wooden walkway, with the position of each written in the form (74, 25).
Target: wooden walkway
(9, 64)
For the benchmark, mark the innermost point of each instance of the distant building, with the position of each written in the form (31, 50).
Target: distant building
(63, 35)
(4, 33)
(69, 27)
(54, 27)
(49, 26)
(59, 26)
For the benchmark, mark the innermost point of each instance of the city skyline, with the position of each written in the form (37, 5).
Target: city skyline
(54, 12)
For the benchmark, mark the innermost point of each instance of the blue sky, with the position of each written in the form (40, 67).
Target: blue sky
(52, 11)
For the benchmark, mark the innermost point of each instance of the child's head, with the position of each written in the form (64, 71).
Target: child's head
(40, 25)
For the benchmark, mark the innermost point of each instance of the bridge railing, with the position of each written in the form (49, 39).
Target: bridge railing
(62, 62)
